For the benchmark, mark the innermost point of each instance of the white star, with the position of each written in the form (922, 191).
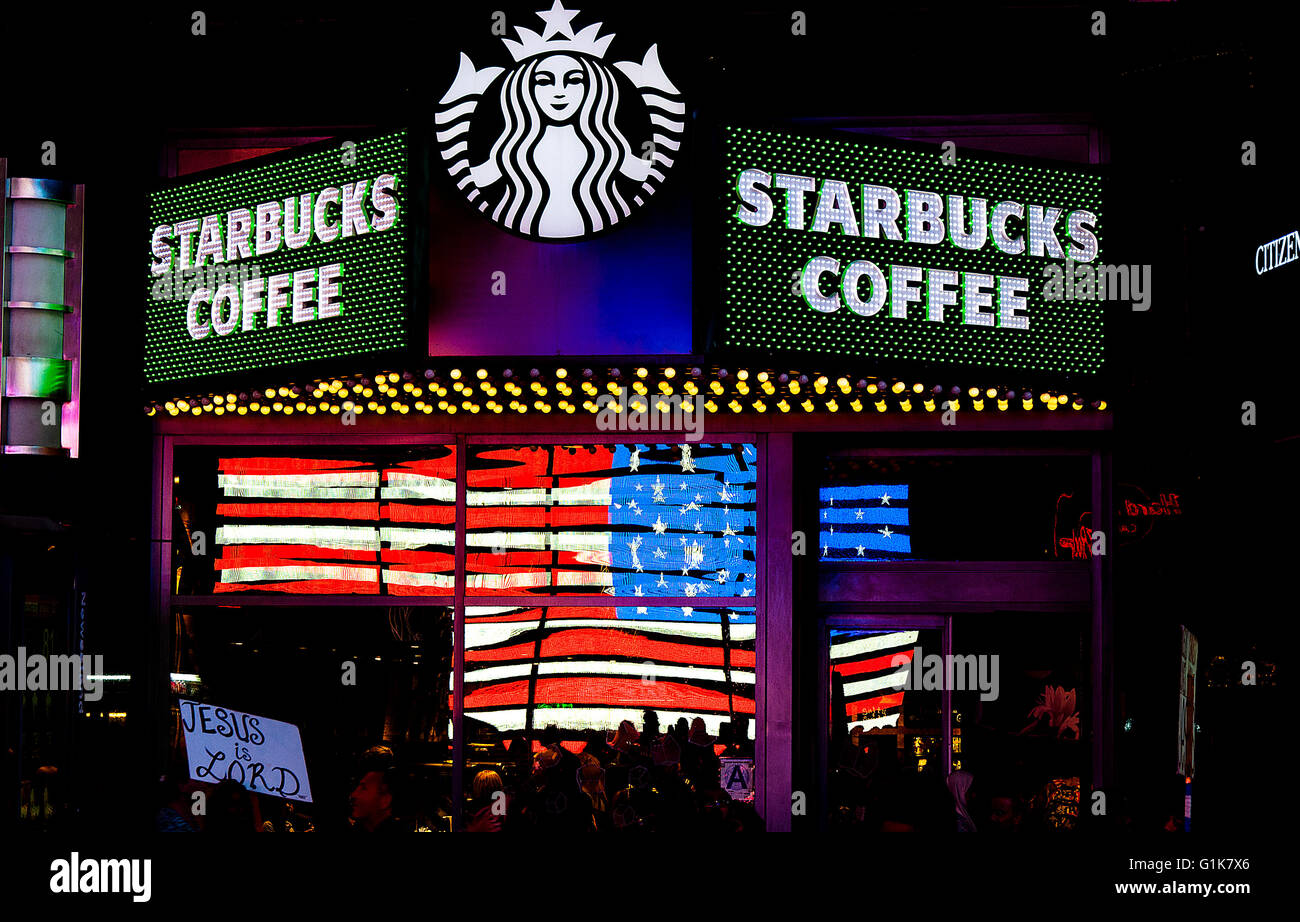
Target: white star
(659, 526)
(885, 531)
(660, 553)
(724, 496)
(722, 575)
(688, 464)
(557, 19)
(634, 463)
(697, 526)
(699, 497)
(858, 513)
(743, 593)
(686, 611)
(639, 591)
(641, 609)
(734, 616)
(862, 549)
(690, 590)
(683, 486)
(700, 587)
(662, 582)
(832, 501)
(658, 488)
(728, 530)
(826, 549)
(637, 488)
(884, 499)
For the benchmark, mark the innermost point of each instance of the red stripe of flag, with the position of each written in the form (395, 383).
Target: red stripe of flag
(444, 467)
(531, 614)
(356, 510)
(607, 691)
(878, 703)
(875, 664)
(311, 586)
(437, 561)
(444, 514)
(285, 465)
(401, 589)
(595, 642)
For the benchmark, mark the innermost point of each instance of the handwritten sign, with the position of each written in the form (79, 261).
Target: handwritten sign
(738, 778)
(262, 754)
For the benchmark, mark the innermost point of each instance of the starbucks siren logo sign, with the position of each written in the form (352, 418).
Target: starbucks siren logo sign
(577, 144)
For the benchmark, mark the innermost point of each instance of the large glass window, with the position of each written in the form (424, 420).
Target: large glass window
(624, 700)
(342, 522)
(619, 520)
(1023, 740)
(610, 717)
(886, 759)
(349, 679)
(953, 508)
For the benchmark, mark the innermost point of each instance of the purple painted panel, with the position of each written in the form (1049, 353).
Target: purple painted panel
(627, 292)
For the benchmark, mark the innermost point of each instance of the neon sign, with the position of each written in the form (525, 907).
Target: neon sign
(1279, 252)
(860, 248)
(279, 263)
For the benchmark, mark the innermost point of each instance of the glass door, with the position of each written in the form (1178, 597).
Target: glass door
(887, 741)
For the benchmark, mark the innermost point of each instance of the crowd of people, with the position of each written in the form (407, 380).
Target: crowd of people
(628, 780)
(622, 780)
(640, 780)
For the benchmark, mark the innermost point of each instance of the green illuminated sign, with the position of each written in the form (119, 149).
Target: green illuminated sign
(280, 263)
(854, 247)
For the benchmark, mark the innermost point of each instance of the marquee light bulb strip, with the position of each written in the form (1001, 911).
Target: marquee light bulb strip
(565, 391)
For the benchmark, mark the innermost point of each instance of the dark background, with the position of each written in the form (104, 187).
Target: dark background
(1176, 87)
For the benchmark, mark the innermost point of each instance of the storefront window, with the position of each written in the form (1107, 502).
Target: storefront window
(619, 520)
(601, 710)
(349, 679)
(343, 522)
(1022, 740)
(612, 718)
(953, 508)
(886, 761)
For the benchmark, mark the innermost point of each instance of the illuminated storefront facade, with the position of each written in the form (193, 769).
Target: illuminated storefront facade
(449, 543)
